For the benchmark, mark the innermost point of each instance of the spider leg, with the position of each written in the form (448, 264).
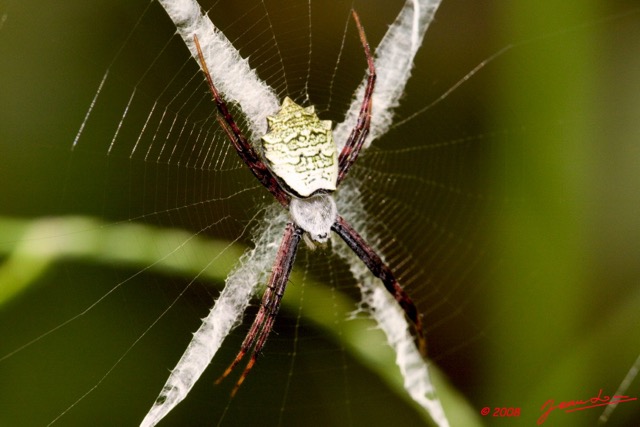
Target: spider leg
(359, 133)
(257, 335)
(244, 148)
(384, 273)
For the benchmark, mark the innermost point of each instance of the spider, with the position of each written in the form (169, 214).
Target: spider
(301, 168)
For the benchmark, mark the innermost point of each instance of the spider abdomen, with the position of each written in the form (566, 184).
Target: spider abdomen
(300, 151)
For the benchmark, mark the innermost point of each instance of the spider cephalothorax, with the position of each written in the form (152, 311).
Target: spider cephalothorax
(301, 167)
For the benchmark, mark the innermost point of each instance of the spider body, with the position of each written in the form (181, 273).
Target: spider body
(301, 167)
(300, 151)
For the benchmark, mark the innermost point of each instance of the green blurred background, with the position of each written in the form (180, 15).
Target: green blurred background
(555, 294)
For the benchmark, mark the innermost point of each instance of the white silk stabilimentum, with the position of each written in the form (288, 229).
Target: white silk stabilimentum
(394, 61)
(252, 269)
(234, 79)
(238, 83)
(386, 312)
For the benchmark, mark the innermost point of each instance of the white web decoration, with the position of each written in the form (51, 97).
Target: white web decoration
(239, 84)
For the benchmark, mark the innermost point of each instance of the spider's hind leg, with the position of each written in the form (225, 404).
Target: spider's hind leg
(359, 133)
(240, 142)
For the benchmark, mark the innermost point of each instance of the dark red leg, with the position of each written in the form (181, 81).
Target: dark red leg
(359, 133)
(384, 273)
(271, 299)
(244, 148)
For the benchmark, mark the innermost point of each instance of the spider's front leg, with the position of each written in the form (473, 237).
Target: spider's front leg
(270, 304)
(384, 273)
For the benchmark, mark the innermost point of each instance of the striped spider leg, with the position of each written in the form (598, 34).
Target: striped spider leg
(301, 168)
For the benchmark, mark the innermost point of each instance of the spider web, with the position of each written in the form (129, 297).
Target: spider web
(157, 208)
